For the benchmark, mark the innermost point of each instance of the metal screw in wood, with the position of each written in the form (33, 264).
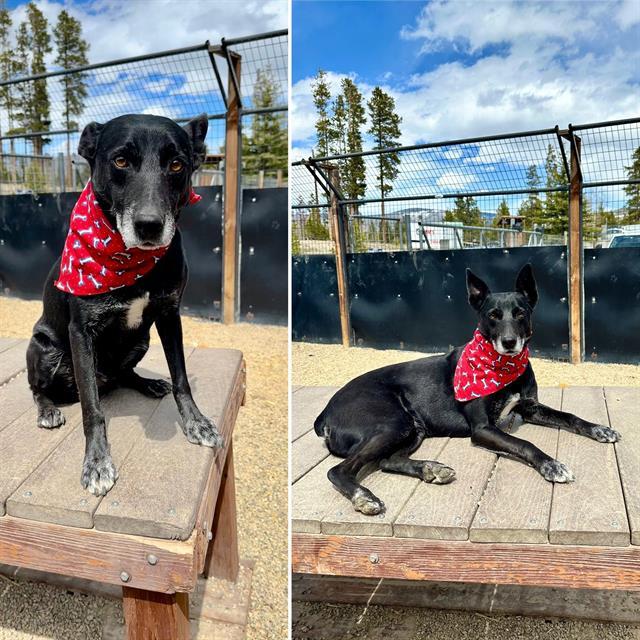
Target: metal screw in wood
(125, 577)
(152, 560)
(374, 558)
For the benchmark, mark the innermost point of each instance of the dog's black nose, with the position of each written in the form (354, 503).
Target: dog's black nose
(508, 344)
(148, 227)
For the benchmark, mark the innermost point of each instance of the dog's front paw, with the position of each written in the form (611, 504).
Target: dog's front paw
(98, 474)
(605, 434)
(202, 431)
(365, 502)
(50, 418)
(555, 471)
(156, 388)
(437, 473)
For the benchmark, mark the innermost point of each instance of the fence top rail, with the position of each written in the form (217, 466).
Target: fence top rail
(608, 123)
(229, 42)
(109, 63)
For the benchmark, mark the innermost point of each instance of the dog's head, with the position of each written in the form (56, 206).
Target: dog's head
(141, 168)
(505, 318)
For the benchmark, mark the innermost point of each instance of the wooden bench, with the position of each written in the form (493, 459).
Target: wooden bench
(499, 523)
(171, 515)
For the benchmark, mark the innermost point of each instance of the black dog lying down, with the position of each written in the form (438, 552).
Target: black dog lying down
(99, 304)
(383, 416)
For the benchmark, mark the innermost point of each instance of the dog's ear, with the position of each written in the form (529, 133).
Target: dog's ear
(89, 140)
(526, 285)
(197, 131)
(477, 290)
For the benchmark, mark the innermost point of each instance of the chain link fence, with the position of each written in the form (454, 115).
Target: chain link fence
(496, 191)
(178, 84)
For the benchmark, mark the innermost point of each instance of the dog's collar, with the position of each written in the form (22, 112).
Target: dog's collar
(95, 259)
(481, 370)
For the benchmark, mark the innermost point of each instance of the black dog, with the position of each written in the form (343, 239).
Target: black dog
(141, 168)
(383, 416)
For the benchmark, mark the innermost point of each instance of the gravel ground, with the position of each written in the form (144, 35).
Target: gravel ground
(30, 611)
(334, 365)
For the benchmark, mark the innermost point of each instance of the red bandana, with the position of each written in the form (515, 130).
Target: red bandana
(95, 259)
(481, 370)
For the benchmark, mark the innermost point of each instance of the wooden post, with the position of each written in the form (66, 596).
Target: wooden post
(232, 171)
(222, 559)
(155, 616)
(575, 258)
(338, 233)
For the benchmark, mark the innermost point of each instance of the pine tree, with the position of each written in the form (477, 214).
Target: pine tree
(632, 214)
(266, 147)
(385, 129)
(72, 52)
(321, 100)
(555, 214)
(465, 210)
(353, 179)
(531, 210)
(501, 212)
(7, 66)
(33, 44)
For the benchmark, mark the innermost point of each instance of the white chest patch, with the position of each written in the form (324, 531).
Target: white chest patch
(510, 404)
(134, 312)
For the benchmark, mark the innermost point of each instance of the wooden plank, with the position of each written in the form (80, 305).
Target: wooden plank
(232, 168)
(222, 559)
(306, 452)
(53, 493)
(542, 565)
(307, 404)
(576, 258)
(6, 343)
(13, 361)
(312, 496)
(623, 406)
(97, 555)
(445, 512)
(516, 504)
(155, 616)
(393, 489)
(590, 510)
(15, 399)
(24, 446)
(162, 480)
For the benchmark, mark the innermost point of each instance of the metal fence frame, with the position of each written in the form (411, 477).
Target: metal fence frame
(225, 54)
(325, 175)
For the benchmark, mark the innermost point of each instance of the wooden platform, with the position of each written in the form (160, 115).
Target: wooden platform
(151, 533)
(529, 529)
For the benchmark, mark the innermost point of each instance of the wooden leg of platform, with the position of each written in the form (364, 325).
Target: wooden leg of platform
(222, 559)
(155, 616)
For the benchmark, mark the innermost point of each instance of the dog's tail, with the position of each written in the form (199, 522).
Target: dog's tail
(319, 425)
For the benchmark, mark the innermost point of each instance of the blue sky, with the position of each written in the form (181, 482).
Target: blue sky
(464, 69)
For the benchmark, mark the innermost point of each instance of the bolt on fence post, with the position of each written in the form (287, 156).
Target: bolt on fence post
(575, 256)
(337, 224)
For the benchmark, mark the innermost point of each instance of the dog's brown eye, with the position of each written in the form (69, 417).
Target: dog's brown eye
(121, 163)
(494, 315)
(176, 166)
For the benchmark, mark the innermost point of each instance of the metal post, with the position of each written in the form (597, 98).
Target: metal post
(337, 223)
(232, 196)
(576, 256)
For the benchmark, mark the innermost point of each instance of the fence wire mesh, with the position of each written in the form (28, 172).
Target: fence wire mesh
(499, 191)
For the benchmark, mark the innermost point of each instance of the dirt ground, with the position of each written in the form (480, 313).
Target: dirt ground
(334, 365)
(30, 611)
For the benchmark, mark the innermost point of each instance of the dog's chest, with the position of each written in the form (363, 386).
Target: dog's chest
(134, 310)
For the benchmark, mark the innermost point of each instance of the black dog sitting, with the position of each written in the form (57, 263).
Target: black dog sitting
(383, 416)
(98, 310)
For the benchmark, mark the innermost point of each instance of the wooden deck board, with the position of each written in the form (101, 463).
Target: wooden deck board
(306, 452)
(15, 399)
(6, 343)
(591, 510)
(162, 479)
(309, 402)
(393, 489)
(312, 496)
(13, 360)
(445, 512)
(623, 406)
(516, 503)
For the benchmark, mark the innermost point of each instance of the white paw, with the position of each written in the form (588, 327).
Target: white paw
(437, 473)
(50, 418)
(98, 475)
(203, 431)
(367, 503)
(555, 471)
(605, 434)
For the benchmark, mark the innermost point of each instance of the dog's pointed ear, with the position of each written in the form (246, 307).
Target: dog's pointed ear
(197, 131)
(88, 144)
(526, 285)
(477, 290)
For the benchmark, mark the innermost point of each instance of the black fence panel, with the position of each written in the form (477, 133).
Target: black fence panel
(612, 304)
(264, 271)
(314, 313)
(418, 300)
(33, 230)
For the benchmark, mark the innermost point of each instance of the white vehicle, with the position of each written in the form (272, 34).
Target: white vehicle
(624, 240)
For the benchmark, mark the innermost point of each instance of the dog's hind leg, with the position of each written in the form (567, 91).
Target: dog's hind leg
(153, 388)
(427, 470)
